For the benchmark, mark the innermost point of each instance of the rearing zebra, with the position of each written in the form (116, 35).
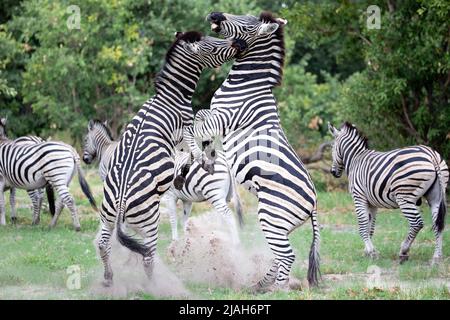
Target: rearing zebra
(142, 167)
(33, 166)
(200, 186)
(392, 179)
(244, 112)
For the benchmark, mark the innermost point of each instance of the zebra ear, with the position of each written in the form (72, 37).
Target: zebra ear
(105, 123)
(282, 21)
(268, 28)
(3, 121)
(334, 132)
(178, 34)
(91, 125)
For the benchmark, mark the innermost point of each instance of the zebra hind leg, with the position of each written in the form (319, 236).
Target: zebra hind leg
(58, 209)
(434, 198)
(2, 203)
(12, 203)
(412, 214)
(36, 200)
(104, 248)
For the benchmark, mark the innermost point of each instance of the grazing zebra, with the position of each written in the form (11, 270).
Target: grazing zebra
(33, 166)
(218, 189)
(392, 179)
(142, 166)
(244, 112)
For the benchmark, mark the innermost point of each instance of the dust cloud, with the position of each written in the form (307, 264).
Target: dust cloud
(204, 255)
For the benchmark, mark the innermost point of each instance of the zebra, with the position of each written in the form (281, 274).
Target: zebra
(244, 113)
(99, 143)
(142, 167)
(32, 166)
(394, 179)
(37, 195)
(218, 189)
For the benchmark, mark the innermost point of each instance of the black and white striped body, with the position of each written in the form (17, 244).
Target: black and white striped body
(142, 167)
(37, 195)
(218, 189)
(32, 166)
(390, 180)
(244, 112)
(200, 186)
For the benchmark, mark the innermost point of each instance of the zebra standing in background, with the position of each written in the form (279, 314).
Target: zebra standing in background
(392, 179)
(99, 143)
(244, 112)
(37, 195)
(142, 168)
(33, 166)
(200, 186)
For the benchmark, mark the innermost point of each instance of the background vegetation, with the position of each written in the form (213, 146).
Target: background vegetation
(392, 82)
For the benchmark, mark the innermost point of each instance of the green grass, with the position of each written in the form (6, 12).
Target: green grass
(34, 260)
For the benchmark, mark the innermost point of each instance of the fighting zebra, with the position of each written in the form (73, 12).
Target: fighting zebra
(244, 112)
(218, 188)
(142, 167)
(392, 179)
(32, 166)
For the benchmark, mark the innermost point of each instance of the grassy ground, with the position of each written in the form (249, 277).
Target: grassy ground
(34, 260)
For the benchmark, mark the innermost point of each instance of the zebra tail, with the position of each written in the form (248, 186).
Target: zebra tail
(85, 187)
(126, 240)
(50, 198)
(314, 258)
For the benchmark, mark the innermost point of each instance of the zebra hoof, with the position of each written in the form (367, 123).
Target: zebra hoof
(77, 228)
(179, 182)
(436, 261)
(107, 283)
(296, 284)
(374, 255)
(35, 222)
(13, 220)
(403, 258)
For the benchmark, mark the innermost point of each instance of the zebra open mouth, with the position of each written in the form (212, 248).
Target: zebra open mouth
(215, 27)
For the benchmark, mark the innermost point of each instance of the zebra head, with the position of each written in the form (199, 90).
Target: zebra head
(338, 163)
(97, 131)
(246, 27)
(3, 134)
(348, 142)
(209, 51)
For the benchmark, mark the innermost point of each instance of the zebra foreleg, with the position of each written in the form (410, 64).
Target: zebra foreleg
(373, 219)
(12, 204)
(104, 248)
(411, 212)
(364, 227)
(187, 208)
(172, 208)
(222, 207)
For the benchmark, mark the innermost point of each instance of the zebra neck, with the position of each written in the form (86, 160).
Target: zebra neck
(102, 144)
(351, 157)
(261, 65)
(178, 78)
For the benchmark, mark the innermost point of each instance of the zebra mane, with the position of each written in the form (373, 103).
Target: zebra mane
(190, 37)
(97, 122)
(361, 135)
(268, 17)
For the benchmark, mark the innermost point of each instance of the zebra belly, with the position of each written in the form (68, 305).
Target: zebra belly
(37, 183)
